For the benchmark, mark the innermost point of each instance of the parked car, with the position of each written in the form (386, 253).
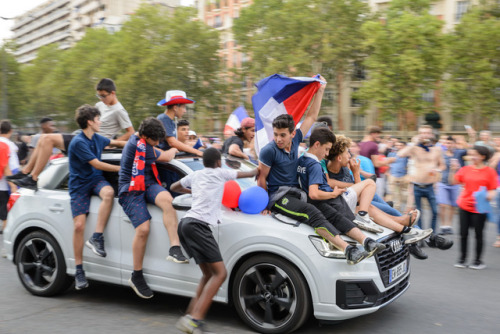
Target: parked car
(279, 272)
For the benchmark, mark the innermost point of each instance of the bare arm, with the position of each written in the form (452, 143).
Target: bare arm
(407, 151)
(117, 143)
(312, 115)
(183, 147)
(251, 173)
(235, 150)
(178, 188)
(128, 132)
(262, 177)
(335, 183)
(495, 160)
(316, 194)
(104, 166)
(167, 155)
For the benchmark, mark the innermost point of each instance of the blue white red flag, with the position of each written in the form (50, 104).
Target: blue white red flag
(234, 121)
(277, 95)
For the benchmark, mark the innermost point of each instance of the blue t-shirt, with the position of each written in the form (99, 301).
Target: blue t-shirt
(170, 129)
(310, 172)
(283, 164)
(457, 154)
(81, 150)
(398, 167)
(128, 155)
(366, 165)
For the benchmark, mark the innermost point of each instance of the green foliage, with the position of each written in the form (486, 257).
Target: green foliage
(473, 85)
(404, 59)
(9, 71)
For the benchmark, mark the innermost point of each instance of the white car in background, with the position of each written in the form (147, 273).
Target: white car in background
(279, 272)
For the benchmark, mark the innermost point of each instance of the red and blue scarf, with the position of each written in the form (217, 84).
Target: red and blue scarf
(137, 182)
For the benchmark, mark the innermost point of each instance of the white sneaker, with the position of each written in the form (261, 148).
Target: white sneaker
(416, 235)
(365, 223)
(478, 265)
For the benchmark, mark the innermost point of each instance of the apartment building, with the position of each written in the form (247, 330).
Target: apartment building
(65, 22)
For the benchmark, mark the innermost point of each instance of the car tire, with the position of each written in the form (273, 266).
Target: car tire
(40, 265)
(271, 295)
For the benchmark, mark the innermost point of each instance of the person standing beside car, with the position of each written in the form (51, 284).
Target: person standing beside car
(85, 180)
(9, 163)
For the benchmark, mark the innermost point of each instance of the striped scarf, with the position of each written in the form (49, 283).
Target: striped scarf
(137, 182)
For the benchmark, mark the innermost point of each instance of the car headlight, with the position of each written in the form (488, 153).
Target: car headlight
(325, 248)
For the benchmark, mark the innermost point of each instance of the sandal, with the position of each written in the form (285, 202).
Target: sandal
(497, 243)
(410, 213)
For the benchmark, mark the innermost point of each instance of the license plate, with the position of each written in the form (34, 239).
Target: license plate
(397, 271)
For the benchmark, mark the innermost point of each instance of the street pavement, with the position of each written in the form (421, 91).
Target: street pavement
(441, 299)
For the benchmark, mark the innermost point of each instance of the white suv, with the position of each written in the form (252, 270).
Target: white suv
(279, 271)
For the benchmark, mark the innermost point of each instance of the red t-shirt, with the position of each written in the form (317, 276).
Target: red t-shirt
(472, 178)
(4, 157)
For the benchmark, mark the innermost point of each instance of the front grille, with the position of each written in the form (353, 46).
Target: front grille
(387, 259)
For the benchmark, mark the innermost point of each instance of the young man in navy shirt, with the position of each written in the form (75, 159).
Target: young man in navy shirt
(138, 185)
(85, 180)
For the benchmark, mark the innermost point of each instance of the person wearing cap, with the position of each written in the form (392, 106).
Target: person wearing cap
(175, 101)
(194, 141)
(245, 133)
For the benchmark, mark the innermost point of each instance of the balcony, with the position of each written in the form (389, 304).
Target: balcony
(41, 12)
(42, 21)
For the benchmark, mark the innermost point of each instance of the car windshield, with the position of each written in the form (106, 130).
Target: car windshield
(227, 163)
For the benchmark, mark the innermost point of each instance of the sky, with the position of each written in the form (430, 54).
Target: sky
(13, 8)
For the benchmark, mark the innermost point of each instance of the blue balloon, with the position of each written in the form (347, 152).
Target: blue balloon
(253, 200)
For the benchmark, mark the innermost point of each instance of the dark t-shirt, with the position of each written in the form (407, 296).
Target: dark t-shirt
(367, 149)
(170, 129)
(128, 155)
(230, 141)
(344, 175)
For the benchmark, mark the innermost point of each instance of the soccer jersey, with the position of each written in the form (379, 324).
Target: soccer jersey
(310, 172)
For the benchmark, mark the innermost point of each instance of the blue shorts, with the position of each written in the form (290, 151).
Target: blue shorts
(134, 203)
(80, 200)
(447, 194)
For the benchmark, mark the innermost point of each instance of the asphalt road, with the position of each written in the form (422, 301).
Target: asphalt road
(441, 299)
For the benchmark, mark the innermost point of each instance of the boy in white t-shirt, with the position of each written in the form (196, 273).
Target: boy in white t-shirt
(207, 187)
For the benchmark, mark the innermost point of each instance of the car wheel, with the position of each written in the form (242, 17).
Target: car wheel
(270, 295)
(40, 265)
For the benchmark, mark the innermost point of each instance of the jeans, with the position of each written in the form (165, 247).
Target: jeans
(427, 192)
(498, 210)
(383, 206)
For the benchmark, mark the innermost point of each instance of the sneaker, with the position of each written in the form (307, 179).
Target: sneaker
(97, 246)
(26, 182)
(16, 176)
(446, 230)
(366, 224)
(373, 247)
(354, 255)
(80, 280)
(478, 265)
(415, 235)
(140, 287)
(186, 324)
(460, 264)
(175, 255)
(437, 241)
(417, 252)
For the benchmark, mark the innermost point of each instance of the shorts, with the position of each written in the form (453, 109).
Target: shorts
(80, 201)
(351, 199)
(134, 203)
(4, 199)
(447, 194)
(198, 241)
(67, 139)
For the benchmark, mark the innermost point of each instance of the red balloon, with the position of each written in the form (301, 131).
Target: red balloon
(232, 192)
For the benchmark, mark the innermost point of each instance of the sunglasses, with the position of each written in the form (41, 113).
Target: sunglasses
(102, 96)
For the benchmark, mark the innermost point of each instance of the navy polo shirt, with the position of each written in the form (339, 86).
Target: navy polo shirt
(81, 150)
(170, 129)
(283, 164)
(310, 172)
(127, 161)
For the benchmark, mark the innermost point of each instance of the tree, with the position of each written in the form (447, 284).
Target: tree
(11, 98)
(298, 37)
(404, 60)
(473, 84)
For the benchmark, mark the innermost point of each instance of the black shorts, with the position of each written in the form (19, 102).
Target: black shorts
(67, 139)
(198, 241)
(4, 199)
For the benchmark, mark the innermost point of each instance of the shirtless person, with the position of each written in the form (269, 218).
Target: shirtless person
(428, 163)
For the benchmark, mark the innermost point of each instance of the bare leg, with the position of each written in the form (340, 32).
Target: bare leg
(44, 147)
(107, 195)
(357, 235)
(365, 190)
(164, 202)
(139, 244)
(216, 274)
(79, 228)
(384, 219)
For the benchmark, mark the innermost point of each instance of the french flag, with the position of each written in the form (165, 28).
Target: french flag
(277, 95)
(234, 121)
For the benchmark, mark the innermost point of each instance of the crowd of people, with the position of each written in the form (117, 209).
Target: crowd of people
(329, 181)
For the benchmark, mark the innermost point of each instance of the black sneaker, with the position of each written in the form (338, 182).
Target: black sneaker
(26, 182)
(175, 255)
(373, 247)
(140, 287)
(417, 252)
(354, 255)
(16, 176)
(97, 246)
(80, 280)
(437, 241)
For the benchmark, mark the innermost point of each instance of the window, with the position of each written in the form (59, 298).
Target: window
(217, 21)
(355, 101)
(428, 96)
(357, 122)
(461, 9)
